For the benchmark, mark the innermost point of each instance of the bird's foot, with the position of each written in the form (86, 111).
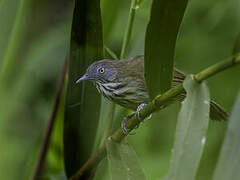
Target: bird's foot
(123, 124)
(140, 107)
(137, 114)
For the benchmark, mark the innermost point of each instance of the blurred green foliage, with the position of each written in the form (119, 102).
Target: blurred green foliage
(228, 163)
(34, 40)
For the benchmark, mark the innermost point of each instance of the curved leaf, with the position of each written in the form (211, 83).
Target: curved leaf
(191, 132)
(229, 161)
(123, 163)
(161, 35)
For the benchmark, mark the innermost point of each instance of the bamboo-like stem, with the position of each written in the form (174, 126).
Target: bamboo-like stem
(128, 31)
(126, 40)
(44, 148)
(157, 104)
(111, 53)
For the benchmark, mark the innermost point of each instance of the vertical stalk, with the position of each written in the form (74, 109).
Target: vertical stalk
(128, 30)
(44, 148)
(126, 40)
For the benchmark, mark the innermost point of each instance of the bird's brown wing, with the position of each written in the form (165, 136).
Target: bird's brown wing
(216, 111)
(136, 65)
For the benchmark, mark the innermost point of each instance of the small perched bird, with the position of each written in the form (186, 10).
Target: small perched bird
(123, 82)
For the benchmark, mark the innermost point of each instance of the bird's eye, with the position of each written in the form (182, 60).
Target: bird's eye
(101, 70)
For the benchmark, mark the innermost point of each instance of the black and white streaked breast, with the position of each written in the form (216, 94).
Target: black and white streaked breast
(128, 96)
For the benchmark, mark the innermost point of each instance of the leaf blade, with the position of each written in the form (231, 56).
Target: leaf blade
(160, 43)
(191, 132)
(81, 121)
(229, 161)
(123, 163)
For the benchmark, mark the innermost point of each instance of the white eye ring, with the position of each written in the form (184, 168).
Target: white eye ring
(101, 70)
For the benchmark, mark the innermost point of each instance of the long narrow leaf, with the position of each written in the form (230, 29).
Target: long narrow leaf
(191, 132)
(166, 17)
(123, 163)
(229, 161)
(83, 101)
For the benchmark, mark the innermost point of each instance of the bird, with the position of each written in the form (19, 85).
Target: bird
(123, 82)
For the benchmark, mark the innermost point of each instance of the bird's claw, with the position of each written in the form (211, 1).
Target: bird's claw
(123, 124)
(149, 117)
(137, 114)
(140, 107)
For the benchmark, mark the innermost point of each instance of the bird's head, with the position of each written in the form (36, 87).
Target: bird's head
(100, 72)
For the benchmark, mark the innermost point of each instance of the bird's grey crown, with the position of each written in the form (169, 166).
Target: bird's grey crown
(107, 76)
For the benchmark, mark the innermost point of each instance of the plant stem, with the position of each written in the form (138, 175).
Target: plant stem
(44, 148)
(126, 40)
(157, 104)
(128, 31)
(111, 53)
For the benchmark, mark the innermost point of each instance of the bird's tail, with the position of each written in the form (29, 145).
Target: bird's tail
(217, 112)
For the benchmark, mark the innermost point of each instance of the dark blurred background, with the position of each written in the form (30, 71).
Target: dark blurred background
(34, 41)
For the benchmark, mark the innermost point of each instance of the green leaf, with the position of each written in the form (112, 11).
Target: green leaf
(102, 171)
(229, 161)
(58, 176)
(191, 132)
(122, 162)
(103, 124)
(83, 102)
(160, 40)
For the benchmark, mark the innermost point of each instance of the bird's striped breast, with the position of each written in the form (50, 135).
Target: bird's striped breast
(123, 94)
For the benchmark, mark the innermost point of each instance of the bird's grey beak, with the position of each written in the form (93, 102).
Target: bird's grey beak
(83, 78)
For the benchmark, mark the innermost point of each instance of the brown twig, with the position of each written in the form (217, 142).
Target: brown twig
(44, 148)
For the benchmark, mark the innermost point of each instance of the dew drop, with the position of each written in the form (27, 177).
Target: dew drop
(203, 140)
(136, 7)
